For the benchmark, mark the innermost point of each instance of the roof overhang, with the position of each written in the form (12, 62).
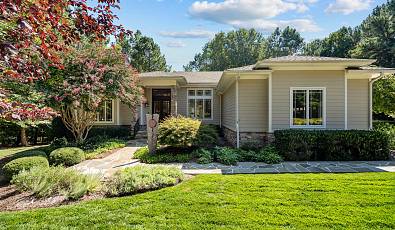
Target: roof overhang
(162, 81)
(368, 73)
(230, 76)
(314, 65)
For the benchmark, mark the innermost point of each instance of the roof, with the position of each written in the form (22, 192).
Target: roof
(190, 77)
(293, 58)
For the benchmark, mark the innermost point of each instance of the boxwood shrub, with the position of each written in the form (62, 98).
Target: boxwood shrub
(13, 167)
(299, 145)
(185, 132)
(67, 156)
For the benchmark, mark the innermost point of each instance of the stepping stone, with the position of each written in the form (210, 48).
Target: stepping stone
(266, 170)
(316, 169)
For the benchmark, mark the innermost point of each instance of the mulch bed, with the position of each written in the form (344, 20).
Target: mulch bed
(12, 200)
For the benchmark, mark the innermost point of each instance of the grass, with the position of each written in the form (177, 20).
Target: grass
(6, 152)
(292, 201)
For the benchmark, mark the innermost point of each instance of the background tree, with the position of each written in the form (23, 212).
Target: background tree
(283, 42)
(378, 36)
(384, 96)
(143, 53)
(91, 75)
(313, 48)
(228, 50)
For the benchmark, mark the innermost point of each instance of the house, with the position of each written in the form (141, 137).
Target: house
(250, 102)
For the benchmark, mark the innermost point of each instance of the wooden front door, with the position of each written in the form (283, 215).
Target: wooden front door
(161, 102)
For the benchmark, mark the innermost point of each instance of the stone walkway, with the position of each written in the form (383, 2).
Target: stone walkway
(290, 167)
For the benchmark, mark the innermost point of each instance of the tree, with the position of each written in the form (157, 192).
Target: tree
(143, 53)
(378, 36)
(384, 96)
(228, 50)
(283, 42)
(33, 32)
(313, 48)
(92, 74)
(24, 110)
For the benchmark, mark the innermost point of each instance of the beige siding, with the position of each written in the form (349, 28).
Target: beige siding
(332, 80)
(182, 102)
(253, 105)
(125, 114)
(229, 108)
(358, 104)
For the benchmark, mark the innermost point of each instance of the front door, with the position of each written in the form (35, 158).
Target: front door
(161, 102)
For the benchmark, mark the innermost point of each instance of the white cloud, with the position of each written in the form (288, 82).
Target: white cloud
(348, 6)
(188, 34)
(175, 44)
(257, 14)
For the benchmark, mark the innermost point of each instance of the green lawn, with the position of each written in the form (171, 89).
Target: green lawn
(10, 151)
(296, 201)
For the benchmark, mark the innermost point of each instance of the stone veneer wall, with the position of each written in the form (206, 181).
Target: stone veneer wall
(263, 138)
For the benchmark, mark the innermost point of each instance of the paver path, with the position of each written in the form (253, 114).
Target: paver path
(123, 158)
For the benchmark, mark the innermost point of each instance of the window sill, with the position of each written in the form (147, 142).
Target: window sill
(307, 127)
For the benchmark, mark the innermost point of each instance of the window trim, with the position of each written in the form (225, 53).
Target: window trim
(308, 126)
(201, 97)
(105, 112)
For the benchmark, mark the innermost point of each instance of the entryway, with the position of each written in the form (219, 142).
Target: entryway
(161, 102)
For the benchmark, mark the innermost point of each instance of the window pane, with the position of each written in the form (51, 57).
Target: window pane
(315, 112)
(207, 108)
(199, 93)
(101, 116)
(191, 107)
(199, 109)
(191, 92)
(109, 111)
(299, 107)
(207, 93)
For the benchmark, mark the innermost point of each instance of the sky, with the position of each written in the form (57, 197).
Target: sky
(182, 27)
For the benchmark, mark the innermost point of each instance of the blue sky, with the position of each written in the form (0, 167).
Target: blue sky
(182, 27)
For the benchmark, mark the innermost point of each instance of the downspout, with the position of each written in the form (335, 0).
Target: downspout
(371, 81)
(237, 112)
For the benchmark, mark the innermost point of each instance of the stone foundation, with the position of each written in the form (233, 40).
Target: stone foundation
(260, 138)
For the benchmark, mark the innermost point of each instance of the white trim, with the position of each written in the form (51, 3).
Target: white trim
(141, 113)
(220, 110)
(345, 102)
(371, 81)
(291, 125)
(237, 114)
(175, 95)
(201, 97)
(270, 110)
(97, 122)
(118, 112)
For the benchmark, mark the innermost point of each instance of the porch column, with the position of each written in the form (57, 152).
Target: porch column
(175, 100)
(270, 104)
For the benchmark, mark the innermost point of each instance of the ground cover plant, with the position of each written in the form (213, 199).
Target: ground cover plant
(55, 181)
(164, 155)
(142, 178)
(291, 201)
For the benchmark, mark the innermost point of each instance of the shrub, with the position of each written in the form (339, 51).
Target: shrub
(67, 156)
(204, 156)
(142, 178)
(251, 145)
(226, 155)
(54, 181)
(120, 132)
(269, 155)
(185, 132)
(164, 155)
(388, 129)
(332, 145)
(13, 167)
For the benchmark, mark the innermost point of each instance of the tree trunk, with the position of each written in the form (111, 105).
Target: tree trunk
(24, 137)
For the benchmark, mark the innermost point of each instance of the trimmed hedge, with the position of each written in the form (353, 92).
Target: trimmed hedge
(344, 145)
(25, 163)
(186, 132)
(67, 156)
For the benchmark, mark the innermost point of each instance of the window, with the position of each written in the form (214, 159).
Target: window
(200, 103)
(105, 112)
(308, 108)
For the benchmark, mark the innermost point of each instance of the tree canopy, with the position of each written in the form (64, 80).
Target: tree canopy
(283, 42)
(143, 53)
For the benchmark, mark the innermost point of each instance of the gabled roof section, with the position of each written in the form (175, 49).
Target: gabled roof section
(190, 77)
